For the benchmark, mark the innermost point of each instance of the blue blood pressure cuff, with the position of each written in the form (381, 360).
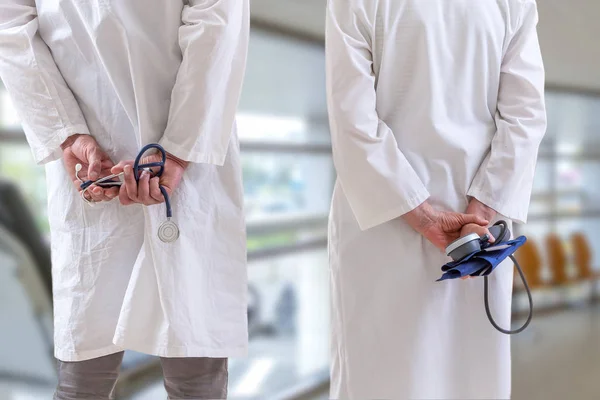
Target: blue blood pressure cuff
(473, 255)
(482, 262)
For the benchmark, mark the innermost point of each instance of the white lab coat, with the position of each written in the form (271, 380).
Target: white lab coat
(131, 73)
(437, 100)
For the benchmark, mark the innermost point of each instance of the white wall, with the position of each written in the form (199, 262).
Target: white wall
(569, 34)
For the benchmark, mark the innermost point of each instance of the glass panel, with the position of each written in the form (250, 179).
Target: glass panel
(590, 184)
(568, 175)
(284, 77)
(535, 230)
(578, 185)
(540, 207)
(288, 321)
(573, 121)
(254, 127)
(284, 91)
(277, 184)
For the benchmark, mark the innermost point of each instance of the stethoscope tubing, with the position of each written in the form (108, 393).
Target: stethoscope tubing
(109, 181)
(502, 238)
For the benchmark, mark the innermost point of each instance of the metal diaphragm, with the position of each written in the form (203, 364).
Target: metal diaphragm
(168, 231)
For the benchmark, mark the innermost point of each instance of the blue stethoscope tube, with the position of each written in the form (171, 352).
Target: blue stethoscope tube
(137, 171)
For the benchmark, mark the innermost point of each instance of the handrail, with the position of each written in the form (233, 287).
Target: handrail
(269, 252)
(564, 215)
(285, 147)
(284, 222)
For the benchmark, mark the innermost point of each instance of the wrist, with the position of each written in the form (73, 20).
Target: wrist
(182, 163)
(422, 217)
(69, 141)
(479, 209)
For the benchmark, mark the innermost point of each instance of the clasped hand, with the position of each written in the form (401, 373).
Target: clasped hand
(84, 150)
(442, 227)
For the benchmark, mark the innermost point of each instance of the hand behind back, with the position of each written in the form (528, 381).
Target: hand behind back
(84, 150)
(441, 227)
(147, 190)
(448, 226)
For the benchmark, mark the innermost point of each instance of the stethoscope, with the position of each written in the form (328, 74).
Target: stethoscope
(168, 231)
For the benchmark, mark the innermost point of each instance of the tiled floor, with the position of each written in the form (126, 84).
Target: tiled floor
(557, 358)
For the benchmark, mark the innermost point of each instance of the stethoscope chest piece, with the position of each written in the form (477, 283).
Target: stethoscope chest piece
(168, 231)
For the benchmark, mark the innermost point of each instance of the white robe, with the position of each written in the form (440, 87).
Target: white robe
(436, 100)
(131, 73)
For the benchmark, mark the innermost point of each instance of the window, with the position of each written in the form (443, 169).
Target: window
(288, 181)
(566, 191)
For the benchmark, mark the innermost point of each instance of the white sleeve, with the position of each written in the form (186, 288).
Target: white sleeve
(504, 181)
(214, 43)
(375, 176)
(46, 106)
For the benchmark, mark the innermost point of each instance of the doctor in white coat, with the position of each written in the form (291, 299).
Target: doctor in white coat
(93, 82)
(437, 112)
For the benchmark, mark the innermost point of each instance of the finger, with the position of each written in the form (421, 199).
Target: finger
(87, 196)
(95, 163)
(105, 198)
(111, 193)
(124, 197)
(473, 219)
(107, 164)
(155, 192)
(106, 171)
(130, 183)
(117, 169)
(96, 193)
(144, 189)
(77, 184)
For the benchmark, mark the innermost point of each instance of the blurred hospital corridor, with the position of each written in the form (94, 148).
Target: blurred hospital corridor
(288, 180)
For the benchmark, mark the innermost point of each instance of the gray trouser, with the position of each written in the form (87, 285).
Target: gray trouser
(185, 378)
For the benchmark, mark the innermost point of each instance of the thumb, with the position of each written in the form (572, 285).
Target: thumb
(120, 167)
(95, 163)
(473, 219)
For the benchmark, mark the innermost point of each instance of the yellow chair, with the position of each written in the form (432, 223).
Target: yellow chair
(582, 256)
(530, 261)
(557, 259)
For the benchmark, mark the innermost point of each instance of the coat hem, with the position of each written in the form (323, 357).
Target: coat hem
(212, 157)
(75, 356)
(52, 151)
(181, 351)
(518, 216)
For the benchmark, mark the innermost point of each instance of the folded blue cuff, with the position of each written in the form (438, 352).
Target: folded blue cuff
(483, 262)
